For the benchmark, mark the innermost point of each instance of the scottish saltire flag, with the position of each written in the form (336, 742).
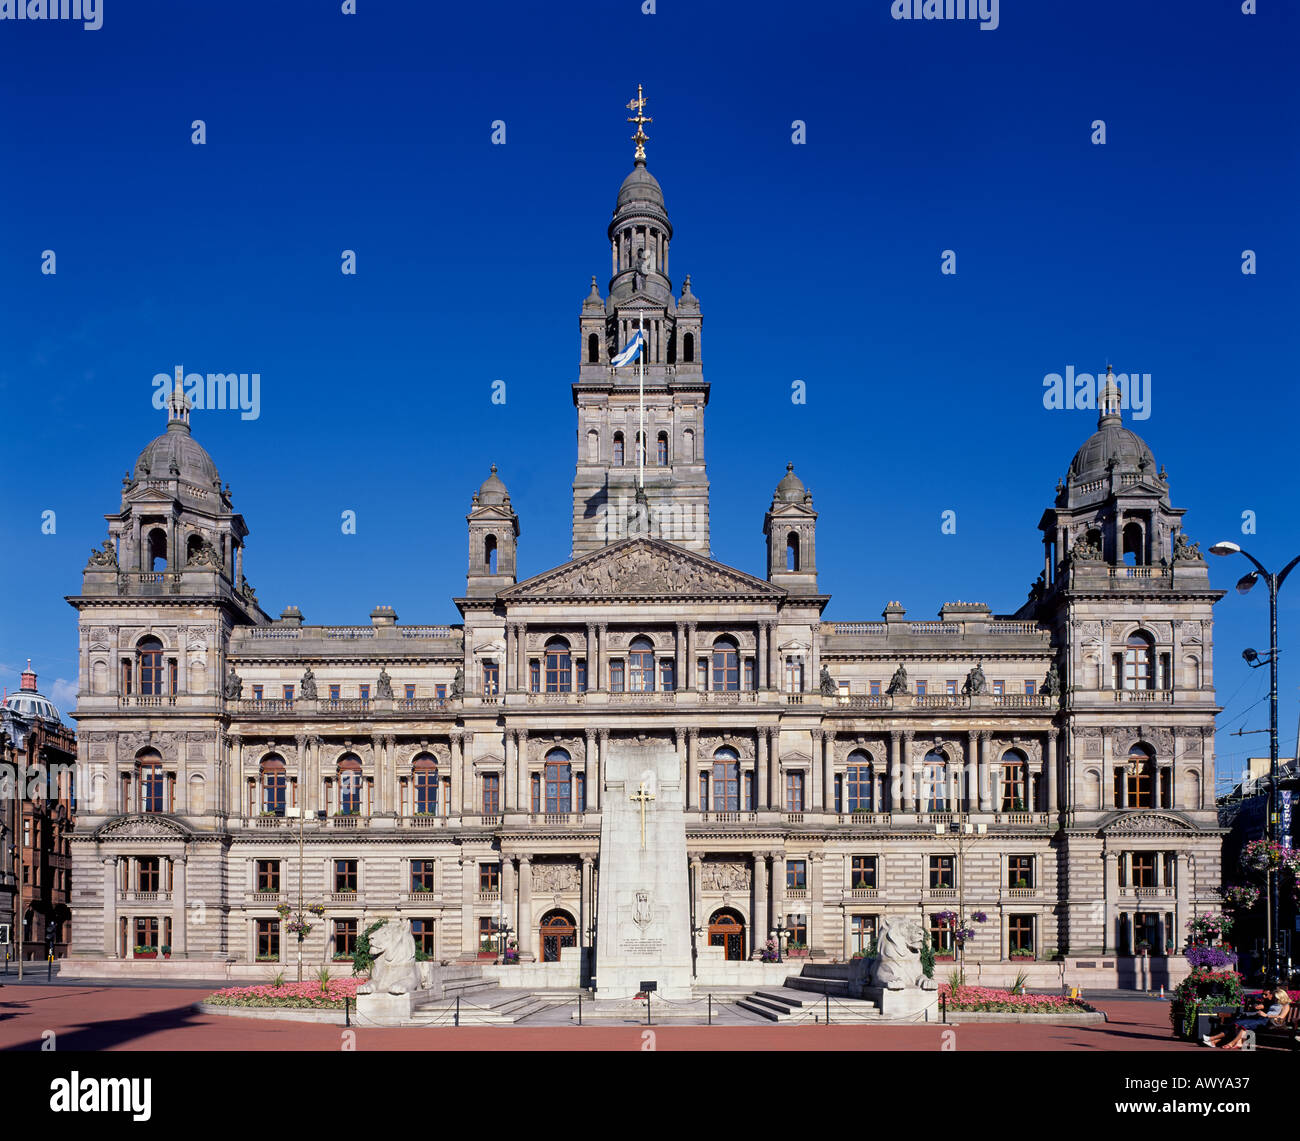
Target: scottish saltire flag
(630, 352)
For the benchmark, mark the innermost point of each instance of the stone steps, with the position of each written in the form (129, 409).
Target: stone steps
(832, 986)
(485, 1006)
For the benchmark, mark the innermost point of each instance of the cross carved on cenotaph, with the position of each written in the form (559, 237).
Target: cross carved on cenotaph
(643, 798)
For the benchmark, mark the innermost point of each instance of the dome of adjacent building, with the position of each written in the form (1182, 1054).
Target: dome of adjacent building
(29, 701)
(791, 488)
(177, 449)
(493, 490)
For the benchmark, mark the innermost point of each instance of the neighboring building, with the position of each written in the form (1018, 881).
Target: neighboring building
(459, 766)
(38, 805)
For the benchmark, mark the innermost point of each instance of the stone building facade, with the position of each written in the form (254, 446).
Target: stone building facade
(1050, 769)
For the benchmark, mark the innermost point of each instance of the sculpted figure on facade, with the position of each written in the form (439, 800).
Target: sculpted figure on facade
(234, 687)
(384, 686)
(898, 683)
(975, 681)
(307, 684)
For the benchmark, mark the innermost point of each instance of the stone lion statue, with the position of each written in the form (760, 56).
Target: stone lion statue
(899, 966)
(394, 970)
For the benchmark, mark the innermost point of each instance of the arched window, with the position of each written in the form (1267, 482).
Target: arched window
(688, 348)
(559, 666)
(157, 549)
(640, 447)
(858, 783)
(557, 932)
(149, 666)
(726, 664)
(726, 781)
(193, 545)
(593, 348)
(490, 554)
(151, 782)
(349, 774)
(618, 449)
(274, 783)
(1139, 777)
(1134, 555)
(688, 445)
(1139, 661)
(424, 776)
(1015, 781)
(559, 782)
(792, 551)
(661, 451)
(641, 666)
(934, 796)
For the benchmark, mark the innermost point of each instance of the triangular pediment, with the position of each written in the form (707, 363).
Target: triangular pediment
(642, 568)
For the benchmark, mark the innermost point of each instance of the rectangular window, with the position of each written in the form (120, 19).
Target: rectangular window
(489, 877)
(147, 873)
(365, 693)
(171, 676)
(749, 674)
(268, 940)
(794, 792)
(704, 792)
(1142, 869)
(875, 692)
(257, 693)
(345, 938)
(146, 932)
(999, 688)
(796, 875)
(422, 929)
(941, 872)
(920, 689)
(797, 926)
(536, 783)
(667, 675)
(950, 687)
(535, 676)
(268, 875)
(491, 678)
(839, 792)
(862, 872)
(845, 692)
(410, 692)
(1031, 687)
(749, 791)
(491, 794)
(422, 875)
(1020, 871)
(334, 693)
(941, 935)
(616, 675)
(580, 792)
(345, 875)
(288, 694)
(440, 692)
(702, 674)
(580, 668)
(1020, 933)
(864, 933)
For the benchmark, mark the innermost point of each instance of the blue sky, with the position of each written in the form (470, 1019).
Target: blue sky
(818, 262)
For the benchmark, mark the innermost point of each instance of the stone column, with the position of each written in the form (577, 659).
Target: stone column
(696, 900)
(457, 804)
(1110, 896)
(761, 778)
(509, 795)
(816, 909)
(679, 658)
(590, 764)
(692, 795)
(683, 758)
(110, 906)
(377, 750)
(760, 664)
(522, 783)
(774, 768)
(525, 921)
(971, 770)
(602, 641)
(468, 932)
(1183, 904)
(596, 791)
(778, 887)
(773, 665)
(180, 945)
(983, 778)
(592, 679)
(906, 791)
(828, 771)
(812, 794)
(1053, 803)
(1107, 774)
(812, 680)
(235, 789)
(509, 679)
(692, 652)
(846, 954)
(759, 915)
(508, 909)
(521, 645)
(586, 911)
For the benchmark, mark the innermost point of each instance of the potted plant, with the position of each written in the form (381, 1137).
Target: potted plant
(512, 952)
(1213, 987)
(486, 950)
(1020, 882)
(1143, 948)
(166, 951)
(796, 950)
(1022, 953)
(143, 952)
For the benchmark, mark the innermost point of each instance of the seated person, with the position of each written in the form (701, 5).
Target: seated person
(1268, 1009)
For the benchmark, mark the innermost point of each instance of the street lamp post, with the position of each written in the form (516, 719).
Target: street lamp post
(1274, 582)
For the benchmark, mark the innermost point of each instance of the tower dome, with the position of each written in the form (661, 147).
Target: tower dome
(791, 488)
(176, 452)
(493, 490)
(1111, 443)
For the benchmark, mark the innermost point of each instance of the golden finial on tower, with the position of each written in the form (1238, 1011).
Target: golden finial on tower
(640, 119)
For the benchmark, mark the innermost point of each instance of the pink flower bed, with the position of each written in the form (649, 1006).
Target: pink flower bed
(303, 995)
(982, 998)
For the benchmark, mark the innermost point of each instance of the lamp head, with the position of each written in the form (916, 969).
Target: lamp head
(1246, 582)
(1223, 547)
(1250, 656)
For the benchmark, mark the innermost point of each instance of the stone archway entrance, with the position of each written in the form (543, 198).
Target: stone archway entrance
(557, 930)
(727, 930)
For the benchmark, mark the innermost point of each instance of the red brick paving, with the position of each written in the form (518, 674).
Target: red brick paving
(121, 1018)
